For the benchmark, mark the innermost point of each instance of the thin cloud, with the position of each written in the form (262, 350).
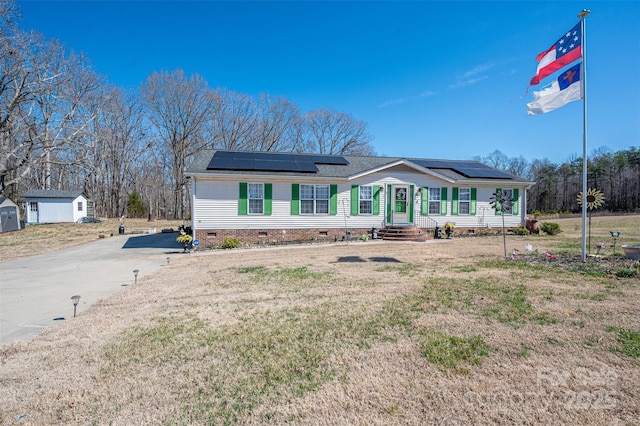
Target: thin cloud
(392, 103)
(428, 94)
(472, 76)
(399, 101)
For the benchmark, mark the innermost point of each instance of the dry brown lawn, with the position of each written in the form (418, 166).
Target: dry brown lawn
(443, 332)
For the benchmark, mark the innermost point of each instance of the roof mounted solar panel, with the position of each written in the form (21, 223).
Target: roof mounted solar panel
(238, 155)
(305, 166)
(261, 162)
(329, 159)
(434, 164)
(486, 172)
(469, 169)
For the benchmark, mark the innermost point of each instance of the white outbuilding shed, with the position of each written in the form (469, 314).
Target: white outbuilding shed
(9, 215)
(51, 206)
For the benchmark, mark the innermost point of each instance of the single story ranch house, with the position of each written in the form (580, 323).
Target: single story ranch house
(270, 198)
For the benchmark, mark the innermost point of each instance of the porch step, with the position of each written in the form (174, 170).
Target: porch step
(403, 233)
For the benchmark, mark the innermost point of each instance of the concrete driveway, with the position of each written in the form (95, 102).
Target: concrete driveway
(35, 292)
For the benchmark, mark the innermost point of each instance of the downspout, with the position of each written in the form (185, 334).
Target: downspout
(193, 208)
(523, 219)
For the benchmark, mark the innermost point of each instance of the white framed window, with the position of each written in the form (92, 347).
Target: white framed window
(366, 200)
(33, 206)
(256, 198)
(314, 199)
(79, 206)
(464, 201)
(434, 201)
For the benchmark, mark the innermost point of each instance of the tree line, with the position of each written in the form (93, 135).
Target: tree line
(557, 185)
(63, 126)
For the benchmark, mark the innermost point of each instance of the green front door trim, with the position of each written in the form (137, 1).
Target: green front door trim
(410, 200)
(389, 196)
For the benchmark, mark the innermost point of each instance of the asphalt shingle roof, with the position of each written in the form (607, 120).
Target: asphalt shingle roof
(357, 165)
(52, 193)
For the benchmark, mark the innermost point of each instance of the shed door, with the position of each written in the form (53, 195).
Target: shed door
(9, 219)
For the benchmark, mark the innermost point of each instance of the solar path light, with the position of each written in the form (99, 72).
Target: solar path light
(135, 275)
(614, 235)
(75, 300)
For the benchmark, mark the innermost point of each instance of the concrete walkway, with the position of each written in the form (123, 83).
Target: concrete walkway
(35, 292)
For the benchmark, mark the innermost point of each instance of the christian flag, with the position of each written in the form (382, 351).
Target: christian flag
(566, 88)
(562, 53)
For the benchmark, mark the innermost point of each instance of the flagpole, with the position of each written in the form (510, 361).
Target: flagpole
(583, 80)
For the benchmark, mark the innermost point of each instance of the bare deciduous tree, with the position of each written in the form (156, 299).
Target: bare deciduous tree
(16, 91)
(337, 133)
(273, 132)
(42, 89)
(233, 121)
(179, 107)
(118, 140)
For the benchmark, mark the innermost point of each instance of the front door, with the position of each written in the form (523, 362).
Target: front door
(400, 214)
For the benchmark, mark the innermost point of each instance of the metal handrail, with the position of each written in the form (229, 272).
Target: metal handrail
(425, 221)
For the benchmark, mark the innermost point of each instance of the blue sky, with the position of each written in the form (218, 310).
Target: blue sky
(442, 79)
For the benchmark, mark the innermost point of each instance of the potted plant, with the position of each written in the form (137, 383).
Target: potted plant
(185, 239)
(448, 229)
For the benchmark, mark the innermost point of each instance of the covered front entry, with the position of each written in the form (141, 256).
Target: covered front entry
(399, 205)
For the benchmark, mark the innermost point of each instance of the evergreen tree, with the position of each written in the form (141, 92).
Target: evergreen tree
(135, 207)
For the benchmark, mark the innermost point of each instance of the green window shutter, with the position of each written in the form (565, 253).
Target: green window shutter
(472, 204)
(424, 201)
(388, 203)
(498, 206)
(411, 202)
(376, 200)
(454, 201)
(355, 200)
(268, 191)
(516, 201)
(443, 201)
(295, 198)
(242, 199)
(333, 199)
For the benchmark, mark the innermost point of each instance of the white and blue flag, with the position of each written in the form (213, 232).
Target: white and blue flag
(566, 88)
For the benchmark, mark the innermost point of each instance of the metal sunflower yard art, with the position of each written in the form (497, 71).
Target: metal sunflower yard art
(502, 202)
(594, 199)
